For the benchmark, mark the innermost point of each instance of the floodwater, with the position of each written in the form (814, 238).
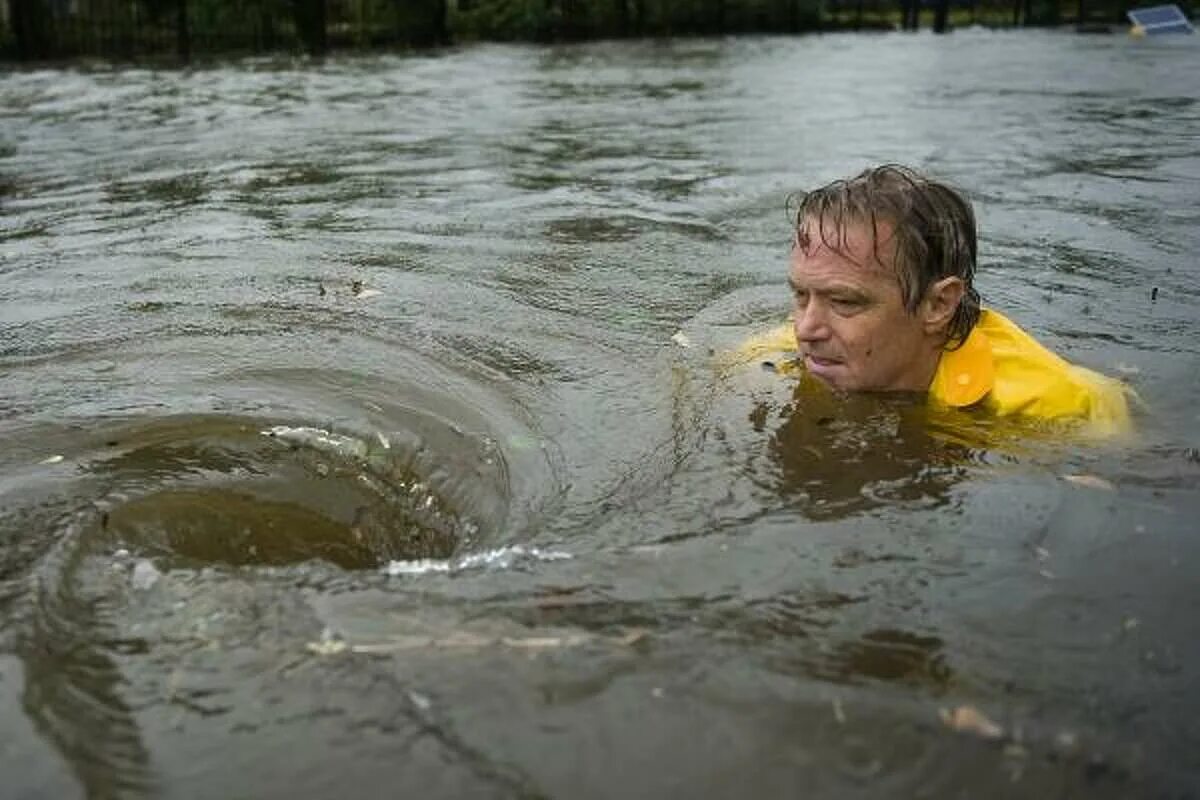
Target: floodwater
(347, 446)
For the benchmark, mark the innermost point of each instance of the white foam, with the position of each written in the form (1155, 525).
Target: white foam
(319, 439)
(144, 575)
(499, 558)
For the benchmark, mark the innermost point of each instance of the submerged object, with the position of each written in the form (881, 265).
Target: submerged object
(1155, 20)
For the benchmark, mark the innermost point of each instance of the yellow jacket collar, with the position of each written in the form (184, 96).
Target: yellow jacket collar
(965, 374)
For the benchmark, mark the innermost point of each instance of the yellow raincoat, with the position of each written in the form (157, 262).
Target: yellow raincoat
(1004, 371)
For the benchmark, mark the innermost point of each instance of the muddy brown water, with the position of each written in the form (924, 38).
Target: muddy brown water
(346, 447)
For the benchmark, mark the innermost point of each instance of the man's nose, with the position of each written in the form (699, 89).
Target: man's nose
(810, 322)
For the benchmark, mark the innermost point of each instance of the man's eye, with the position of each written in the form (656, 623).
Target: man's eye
(847, 304)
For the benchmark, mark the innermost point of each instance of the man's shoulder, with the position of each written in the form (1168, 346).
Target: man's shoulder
(1031, 380)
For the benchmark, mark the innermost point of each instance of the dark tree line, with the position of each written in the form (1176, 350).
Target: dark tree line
(54, 29)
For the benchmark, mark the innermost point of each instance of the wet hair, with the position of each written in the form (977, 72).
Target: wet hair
(933, 223)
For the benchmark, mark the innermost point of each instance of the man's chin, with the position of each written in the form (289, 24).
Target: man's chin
(833, 385)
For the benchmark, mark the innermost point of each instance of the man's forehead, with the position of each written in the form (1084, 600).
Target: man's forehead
(868, 244)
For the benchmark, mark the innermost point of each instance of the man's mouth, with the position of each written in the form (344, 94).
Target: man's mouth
(824, 368)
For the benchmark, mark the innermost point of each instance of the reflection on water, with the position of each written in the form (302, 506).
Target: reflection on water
(888, 655)
(841, 455)
(346, 437)
(74, 689)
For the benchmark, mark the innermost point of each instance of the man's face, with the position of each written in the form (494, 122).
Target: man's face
(848, 312)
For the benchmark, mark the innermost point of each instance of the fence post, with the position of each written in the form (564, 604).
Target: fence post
(941, 13)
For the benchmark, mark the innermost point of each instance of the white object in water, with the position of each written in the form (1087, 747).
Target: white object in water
(1153, 20)
(366, 294)
(1091, 482)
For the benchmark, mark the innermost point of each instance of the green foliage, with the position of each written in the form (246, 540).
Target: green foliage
(245, 25)
(372, 23)
(502, 19)
(1045, 12)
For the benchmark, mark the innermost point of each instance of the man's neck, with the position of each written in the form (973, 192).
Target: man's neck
(927, 366)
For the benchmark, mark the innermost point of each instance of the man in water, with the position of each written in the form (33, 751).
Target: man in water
(882, 274)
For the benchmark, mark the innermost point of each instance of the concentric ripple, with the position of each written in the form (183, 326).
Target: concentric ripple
(234, 492)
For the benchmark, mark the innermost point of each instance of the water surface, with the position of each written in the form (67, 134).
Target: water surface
(346, 446)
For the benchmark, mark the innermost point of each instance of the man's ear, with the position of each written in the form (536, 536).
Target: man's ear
(941, 301)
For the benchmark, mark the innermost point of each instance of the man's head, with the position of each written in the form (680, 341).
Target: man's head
(882, 271)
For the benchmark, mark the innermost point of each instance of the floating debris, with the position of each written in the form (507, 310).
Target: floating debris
(838, 713)
(1091, 482)
(330, 647)
(367, 294)
(680, 338)
(968, 719)
(330, 644)
(633, 637)
(54, 459)
(1127, 369)
(420, 701)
